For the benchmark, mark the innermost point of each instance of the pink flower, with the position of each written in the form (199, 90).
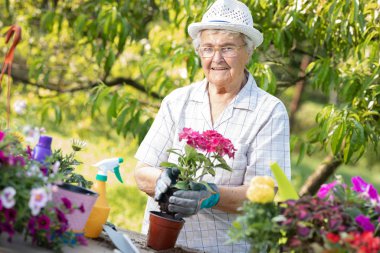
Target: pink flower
(325, 189)
(2, 135)
(210, 141)
(361, 186)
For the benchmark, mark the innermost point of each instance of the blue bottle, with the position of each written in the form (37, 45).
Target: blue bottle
(42, 149)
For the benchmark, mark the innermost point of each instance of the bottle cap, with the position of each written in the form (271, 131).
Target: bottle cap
(45, 141)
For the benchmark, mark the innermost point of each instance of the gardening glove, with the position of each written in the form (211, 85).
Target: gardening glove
(167, 178)
(187, 203)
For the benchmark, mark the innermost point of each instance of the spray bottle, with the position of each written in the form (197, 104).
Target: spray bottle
(100, 211)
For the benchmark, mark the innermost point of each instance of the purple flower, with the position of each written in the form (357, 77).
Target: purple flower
(31, 225)
(43, 222)
(81, 208)
(29, 152)
(325, 189)
(365, 223)
(67, 203)
(81, 240)
(44, 171)
(10, 214)
(61, 216)
(303, 231)
(361, 186)
(8, 228)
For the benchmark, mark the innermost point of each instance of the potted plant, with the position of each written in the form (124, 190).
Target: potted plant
(26, 204)
(74, 186)
(202, 154)
(339, 218)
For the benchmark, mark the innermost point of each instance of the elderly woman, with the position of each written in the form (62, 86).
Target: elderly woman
(228, 101)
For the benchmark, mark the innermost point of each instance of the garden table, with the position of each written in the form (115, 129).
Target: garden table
(99, 245)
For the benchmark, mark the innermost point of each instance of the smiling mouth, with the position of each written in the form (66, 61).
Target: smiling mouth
(219, 68)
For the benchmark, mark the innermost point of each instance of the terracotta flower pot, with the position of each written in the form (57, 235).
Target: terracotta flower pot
(163, 231)
(78, 196)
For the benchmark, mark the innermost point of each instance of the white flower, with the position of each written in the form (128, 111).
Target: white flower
(38, 200)
(7, 197)
(19, 106)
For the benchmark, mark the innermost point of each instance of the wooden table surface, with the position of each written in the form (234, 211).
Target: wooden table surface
(99, 245)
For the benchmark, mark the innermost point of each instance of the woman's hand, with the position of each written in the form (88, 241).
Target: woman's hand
(167, 178)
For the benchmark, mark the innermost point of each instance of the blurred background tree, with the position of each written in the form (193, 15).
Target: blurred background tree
(99, 69)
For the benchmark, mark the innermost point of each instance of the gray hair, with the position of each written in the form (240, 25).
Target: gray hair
(249, 44)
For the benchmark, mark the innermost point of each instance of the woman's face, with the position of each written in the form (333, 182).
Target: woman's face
(219, 70)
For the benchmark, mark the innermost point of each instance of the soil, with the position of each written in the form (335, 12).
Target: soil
(164, 203)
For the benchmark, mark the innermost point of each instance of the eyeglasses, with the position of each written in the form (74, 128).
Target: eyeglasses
(228, 51)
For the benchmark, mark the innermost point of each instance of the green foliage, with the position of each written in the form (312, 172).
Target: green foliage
(190, 163)
(258, 226)
(67, 163)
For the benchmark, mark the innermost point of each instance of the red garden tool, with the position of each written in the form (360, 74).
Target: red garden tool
(16, 31)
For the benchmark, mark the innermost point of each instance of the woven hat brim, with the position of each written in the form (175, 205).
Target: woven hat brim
(251, 32)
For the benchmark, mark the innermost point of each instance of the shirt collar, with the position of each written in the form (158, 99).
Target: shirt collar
(245, 99)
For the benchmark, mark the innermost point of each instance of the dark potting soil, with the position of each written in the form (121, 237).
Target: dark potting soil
(164, 203)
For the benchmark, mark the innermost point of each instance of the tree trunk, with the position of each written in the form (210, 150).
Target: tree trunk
(320, 175)
(294, 105)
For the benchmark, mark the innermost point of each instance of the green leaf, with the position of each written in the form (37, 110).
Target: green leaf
(47, 21)
(182, 185)
(302, 151)
(121, 119)
(58, 114)
(168, 165)
(109, 61)
(112, 113)
(337, 138)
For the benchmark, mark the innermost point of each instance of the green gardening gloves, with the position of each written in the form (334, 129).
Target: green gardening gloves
(188, 203)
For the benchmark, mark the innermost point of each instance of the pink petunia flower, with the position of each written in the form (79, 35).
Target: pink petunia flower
(325, 189)
(361, 186)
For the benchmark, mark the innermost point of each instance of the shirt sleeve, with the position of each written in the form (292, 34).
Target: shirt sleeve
(153, 149)
(271, 144)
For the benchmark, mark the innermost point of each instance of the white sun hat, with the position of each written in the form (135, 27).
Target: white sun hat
(229, 15)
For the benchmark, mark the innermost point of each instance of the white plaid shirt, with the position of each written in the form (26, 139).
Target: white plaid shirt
(258, 126)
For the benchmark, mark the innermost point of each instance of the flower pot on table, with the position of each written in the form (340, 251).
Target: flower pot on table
(78, 196)
(163, 231)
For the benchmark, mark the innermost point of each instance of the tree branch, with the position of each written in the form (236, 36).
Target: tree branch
(114, 82)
